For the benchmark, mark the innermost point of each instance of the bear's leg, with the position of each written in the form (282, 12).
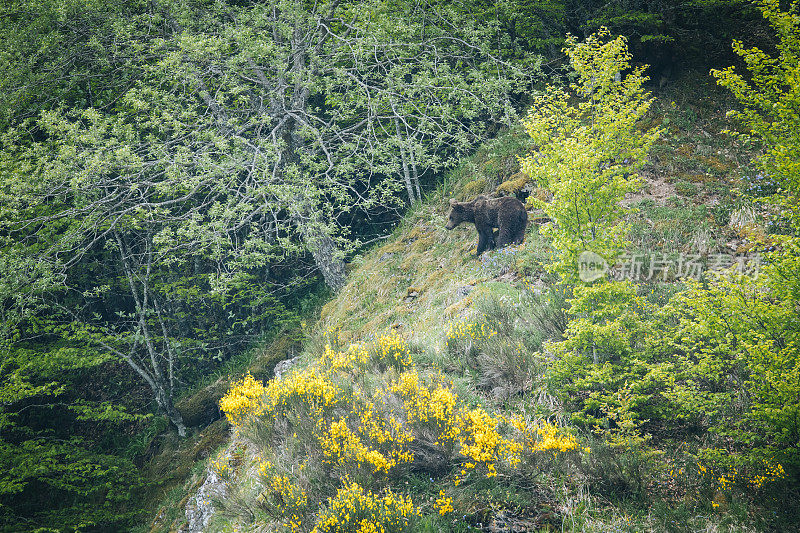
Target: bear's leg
(521, 227)
(504, 236)
(520, 236)
(512, 229)
(516, 236)
(492, 240)
(485, 240)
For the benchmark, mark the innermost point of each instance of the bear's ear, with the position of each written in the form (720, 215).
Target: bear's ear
(453, 201)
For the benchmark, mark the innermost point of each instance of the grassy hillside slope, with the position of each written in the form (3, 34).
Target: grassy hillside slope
(423, 400)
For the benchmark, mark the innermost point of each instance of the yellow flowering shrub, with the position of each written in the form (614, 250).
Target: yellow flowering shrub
(282, 497)
(388, 350)
(334, 336)
(221, 467)
(431, 406)
(721, 480)
(307, 389)
(294, 500)
(350, 428)
(393, 350)
(354, 510)
(466, 338)
(772, 472)
(243, 400)
(472, 433)
(460, 333)
(356, 356)
(301, 401)
(544, 436)
(551, 438)
(482, 444)
(342, 446)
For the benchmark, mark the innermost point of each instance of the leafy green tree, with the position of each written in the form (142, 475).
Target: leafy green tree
(63, 460)
(341, 100)
(770, 95)
(737, 364)
(252, 134)
(64, 429)
(525, 27)
(722, 356)
(586, 153)
(72, 53)
(740, 333)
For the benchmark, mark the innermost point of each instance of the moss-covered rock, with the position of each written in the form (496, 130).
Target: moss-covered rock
(473, 188)
(516, 184)
(202, 407)
(285, 346)
(538, 193)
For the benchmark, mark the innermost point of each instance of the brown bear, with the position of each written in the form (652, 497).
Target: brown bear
(507, 214)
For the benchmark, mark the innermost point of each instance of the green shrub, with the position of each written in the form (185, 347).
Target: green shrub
(587, 153)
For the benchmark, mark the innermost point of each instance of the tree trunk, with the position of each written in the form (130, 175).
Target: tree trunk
(327, 255)
(152, 373)
(403, 158)
(164, 401)
(324, 251)
(415, 174)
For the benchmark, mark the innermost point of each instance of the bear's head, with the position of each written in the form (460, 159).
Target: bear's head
(459, 212)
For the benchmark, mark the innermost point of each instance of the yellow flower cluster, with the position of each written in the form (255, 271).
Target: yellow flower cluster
(282, 497)
(220, 467)
(309, 391)
(772, 472)
(333, 336)
(551, 438)
(433, 406)
(291, 495)
(473, 431)
(390, 349)
(342, 446)
(264, 468)
(309, 388)
(544, 436)
(442, 504)
(462, 331)
(354, 510)
(242, 400)
(725, 481)
(350, 430)
(481, 443)
(394, 351)
(355, 356)
(529, 286)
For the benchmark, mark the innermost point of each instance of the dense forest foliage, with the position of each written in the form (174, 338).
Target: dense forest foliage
(181, 181)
